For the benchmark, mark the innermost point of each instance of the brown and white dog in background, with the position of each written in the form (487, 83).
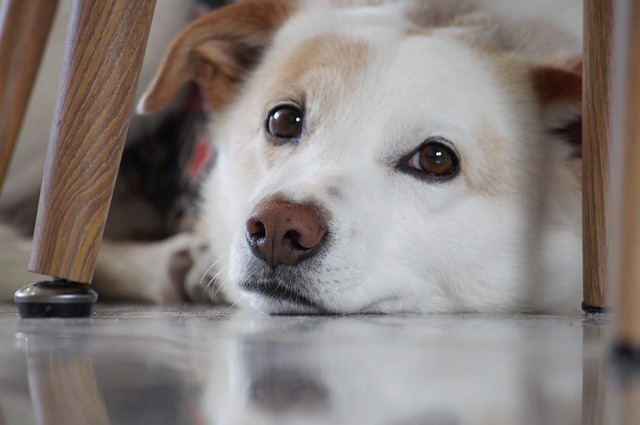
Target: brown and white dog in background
(155, 191)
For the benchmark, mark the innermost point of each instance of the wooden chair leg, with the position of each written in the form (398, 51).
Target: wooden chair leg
(595, 131)
(104, 52)
(626, 118)
(24, 27)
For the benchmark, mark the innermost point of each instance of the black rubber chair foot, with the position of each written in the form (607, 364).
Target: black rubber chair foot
(590, 309)
(56, 298)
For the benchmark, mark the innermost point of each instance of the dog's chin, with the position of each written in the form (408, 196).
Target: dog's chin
(281, 289)
(276, 297)
(267, 303)
(286, 290)
(275, 306)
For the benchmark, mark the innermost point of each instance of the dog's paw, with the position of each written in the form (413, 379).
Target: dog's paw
(192, 269)
(167, 271)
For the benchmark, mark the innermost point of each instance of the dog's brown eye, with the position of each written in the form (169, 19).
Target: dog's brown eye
(285, 122)
(435, 159)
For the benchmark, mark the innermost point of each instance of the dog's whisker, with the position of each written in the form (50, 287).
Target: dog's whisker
(215, 282)
(234, 304)
(204, 275)
(221, 285)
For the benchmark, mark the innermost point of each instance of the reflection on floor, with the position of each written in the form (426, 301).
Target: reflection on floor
(192, 365)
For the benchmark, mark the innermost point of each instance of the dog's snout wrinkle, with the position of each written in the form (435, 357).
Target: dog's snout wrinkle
(283, 232)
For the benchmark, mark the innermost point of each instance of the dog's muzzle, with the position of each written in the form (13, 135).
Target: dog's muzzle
(283, 232)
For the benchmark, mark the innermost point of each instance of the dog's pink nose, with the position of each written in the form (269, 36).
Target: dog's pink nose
(282, 232)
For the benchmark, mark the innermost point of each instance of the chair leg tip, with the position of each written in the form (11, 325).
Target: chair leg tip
(56, 298)
(44, 310)
(591, 309)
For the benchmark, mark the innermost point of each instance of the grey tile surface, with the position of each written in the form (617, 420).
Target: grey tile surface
(196, 365)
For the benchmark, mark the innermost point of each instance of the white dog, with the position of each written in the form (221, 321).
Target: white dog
(390, 156)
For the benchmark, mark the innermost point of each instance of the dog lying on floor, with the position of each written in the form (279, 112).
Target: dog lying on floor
(389, 156)
(377, 156)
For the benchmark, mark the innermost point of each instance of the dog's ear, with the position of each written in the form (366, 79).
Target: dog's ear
(215, 51)
(559, 91)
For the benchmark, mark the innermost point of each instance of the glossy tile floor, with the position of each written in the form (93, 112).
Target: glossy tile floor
(193, 365)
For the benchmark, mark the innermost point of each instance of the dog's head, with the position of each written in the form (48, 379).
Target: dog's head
(371, 162)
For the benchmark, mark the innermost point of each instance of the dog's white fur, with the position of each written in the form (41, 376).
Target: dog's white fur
(377, 78)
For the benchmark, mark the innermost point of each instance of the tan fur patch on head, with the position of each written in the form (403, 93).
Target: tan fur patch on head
(325, 68)
(318, 75)
(484, 176)
(438, 14)
(533, 39)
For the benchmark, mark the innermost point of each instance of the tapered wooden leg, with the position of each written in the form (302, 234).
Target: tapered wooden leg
(626, 109)
(595, 130)
(104, 52)
(24, 28)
